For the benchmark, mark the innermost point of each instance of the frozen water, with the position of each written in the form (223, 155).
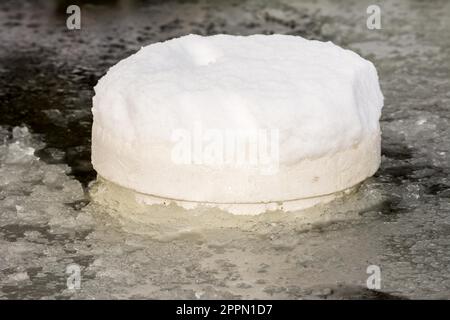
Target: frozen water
(398, 220)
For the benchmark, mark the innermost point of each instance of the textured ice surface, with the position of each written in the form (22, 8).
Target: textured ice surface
(321, 97)
(126, 250)
(399, 219)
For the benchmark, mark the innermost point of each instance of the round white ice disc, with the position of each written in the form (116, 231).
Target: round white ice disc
(244, 123)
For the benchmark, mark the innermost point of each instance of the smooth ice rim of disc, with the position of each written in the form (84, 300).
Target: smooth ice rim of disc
(350, 168)
(302, 185)
(235, 208)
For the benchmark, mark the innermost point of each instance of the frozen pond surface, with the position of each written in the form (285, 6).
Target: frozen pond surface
(398, 220)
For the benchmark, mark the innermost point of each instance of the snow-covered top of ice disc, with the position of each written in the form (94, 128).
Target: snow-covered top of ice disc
(319, 96)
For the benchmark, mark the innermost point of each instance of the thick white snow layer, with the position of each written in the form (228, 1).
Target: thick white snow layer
(322, 98)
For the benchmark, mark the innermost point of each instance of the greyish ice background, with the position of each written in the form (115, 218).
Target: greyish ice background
(398, 220)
